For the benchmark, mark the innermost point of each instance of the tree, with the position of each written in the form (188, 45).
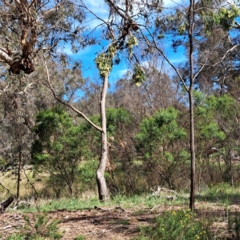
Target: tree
(28, 27)
(59, 146)
(187, 26)
(160, 142)
(104, 62)
(217, 131)
(17, 119)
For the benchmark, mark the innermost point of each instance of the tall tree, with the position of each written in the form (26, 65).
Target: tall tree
(188, 26)
(30, 26)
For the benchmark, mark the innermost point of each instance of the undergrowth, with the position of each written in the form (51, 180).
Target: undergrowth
(178, 225)
(40, 228)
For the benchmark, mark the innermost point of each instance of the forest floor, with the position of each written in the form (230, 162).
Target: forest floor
(115, 222)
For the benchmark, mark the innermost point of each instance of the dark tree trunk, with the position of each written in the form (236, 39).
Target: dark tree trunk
(191, 102)
(101, 181)
(192, 152)
(19, 171)
(5, 204)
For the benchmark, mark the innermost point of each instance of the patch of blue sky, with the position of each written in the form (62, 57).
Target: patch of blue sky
(88, 55)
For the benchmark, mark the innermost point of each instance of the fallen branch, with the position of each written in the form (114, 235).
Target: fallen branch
(109, 209)
(5, 204)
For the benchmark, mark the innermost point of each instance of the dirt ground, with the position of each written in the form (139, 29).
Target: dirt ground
(112, 223)
(109, 223)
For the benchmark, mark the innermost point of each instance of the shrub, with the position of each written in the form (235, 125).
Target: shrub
(179, 225)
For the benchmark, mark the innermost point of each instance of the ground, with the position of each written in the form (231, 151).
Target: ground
(113, 223)
(108, 223)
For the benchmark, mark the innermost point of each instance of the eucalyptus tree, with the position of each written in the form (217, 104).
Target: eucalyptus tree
(26, 27)
(120, 34)
(188, 25)
(119, 39)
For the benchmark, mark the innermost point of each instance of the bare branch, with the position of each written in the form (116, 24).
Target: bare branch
(7, 190)
(224, 56)
(124, 16)
(49, 85)
(163, 54)
(4, 56)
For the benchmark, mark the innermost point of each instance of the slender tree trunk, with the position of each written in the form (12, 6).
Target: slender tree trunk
(19, 172)
(191, 103)
(101, 181)
(192, 152)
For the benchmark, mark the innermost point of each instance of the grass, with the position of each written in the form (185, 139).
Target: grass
(9, 180)
(220, 193)
(212, 207)
(180, 224)
(80, 237)
(127, 202)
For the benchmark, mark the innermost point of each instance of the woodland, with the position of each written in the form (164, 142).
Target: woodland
(164, 124)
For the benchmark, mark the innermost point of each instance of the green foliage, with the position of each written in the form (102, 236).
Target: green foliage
(16, 236)
(234, 225)
(87, 172)
(138, 75)
(59, 146)
(104, 61)
(116, 117)
(158, 140)
(224, 193)
(42, 228)
(199, 97)
(80, 237)
(160, 129)
(216, 118)
(132, 41)
(224, 17)
(180, 225)
(3, 162)
(182, 28)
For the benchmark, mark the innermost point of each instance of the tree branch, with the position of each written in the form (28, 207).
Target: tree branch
(49, 85)
(4, 56)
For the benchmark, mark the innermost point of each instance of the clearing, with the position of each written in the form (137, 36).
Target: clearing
(115, 222)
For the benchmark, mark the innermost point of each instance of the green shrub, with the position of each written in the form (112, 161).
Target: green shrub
(80, 237)
(41, 228)
(234, 226)
(179, 225)
(16, 236)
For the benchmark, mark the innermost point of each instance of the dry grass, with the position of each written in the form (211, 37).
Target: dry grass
(9, 181)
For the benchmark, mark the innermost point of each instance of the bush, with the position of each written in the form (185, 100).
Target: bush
(42, 228)
(180, 225)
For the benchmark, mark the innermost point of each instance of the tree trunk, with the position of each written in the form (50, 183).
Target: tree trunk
(191, 102)
(19, 172)
(101, 181)
(5, 204)
(192, 151)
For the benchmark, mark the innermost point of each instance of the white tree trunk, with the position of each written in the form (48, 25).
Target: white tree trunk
(101, 181)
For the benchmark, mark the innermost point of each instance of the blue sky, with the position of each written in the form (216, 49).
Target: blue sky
(88, 54)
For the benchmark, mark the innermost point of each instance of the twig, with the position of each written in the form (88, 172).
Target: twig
(7, 190)
(49, 85)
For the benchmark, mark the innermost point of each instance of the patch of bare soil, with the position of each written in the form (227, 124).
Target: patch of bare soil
(115, 223)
